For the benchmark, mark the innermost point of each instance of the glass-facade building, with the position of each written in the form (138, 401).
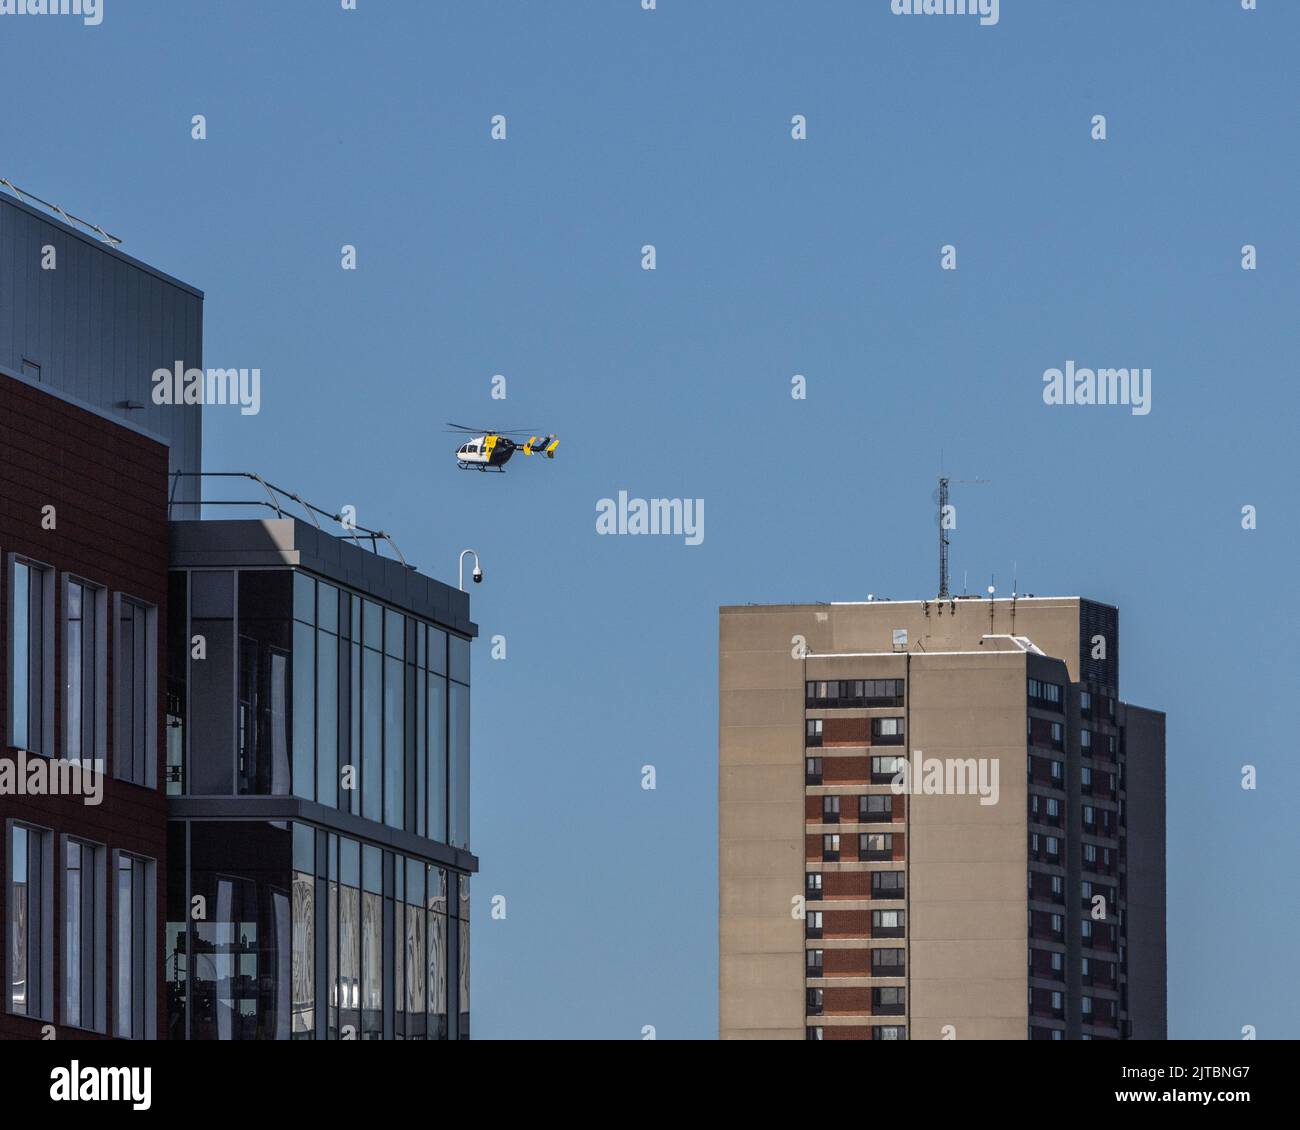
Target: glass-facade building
(317, 761)
(273, 720)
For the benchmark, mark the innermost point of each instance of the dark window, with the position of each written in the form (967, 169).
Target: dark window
(875, 808)
(855, 693)
(212, 687)
(84, 950)
(888, 1001)
(31, 650)
(270, 644)
(887, 962)
(887, 884)
(134, 997)
(84, 679)
(1045, 694)
(29, 937)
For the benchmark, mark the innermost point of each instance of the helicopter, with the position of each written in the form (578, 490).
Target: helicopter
(487, 450)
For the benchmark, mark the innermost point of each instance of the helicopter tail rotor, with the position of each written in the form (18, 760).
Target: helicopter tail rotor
(546, 444)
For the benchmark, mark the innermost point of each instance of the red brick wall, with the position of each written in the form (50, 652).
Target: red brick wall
(846, 731)
(847, 924)
(846, 1032)
(846, 770)
(847, 963)
(846, 884)
(847, 1002)
(109, 487)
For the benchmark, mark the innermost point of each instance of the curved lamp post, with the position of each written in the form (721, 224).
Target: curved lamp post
(478, 570)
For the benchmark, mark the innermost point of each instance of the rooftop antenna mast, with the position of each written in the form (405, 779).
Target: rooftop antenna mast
(1015, 592)
(946, 522)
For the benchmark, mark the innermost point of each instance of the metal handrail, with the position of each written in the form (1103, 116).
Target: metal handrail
(67, 217)
(272, 502)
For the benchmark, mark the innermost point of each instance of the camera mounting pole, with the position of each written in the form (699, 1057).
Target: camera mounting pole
(478, 570)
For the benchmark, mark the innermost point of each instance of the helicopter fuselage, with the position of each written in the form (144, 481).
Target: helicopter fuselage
(485, 453)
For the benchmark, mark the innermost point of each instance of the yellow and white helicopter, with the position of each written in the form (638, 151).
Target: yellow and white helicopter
(487, 450)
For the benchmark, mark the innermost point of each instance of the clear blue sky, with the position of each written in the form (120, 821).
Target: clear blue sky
(819, 258)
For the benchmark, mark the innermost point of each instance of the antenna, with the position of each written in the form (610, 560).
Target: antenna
(942, 499)
(1015, 591)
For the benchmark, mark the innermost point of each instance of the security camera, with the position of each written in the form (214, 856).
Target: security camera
(478, 575)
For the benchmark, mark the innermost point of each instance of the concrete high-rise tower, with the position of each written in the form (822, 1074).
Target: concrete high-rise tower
(937, 820)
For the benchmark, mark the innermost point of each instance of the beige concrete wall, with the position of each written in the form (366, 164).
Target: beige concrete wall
(752, 630)
(760, 828)
(968, 902)
(967, 861)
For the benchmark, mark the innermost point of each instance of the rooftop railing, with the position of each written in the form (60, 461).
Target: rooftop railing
(283, 503)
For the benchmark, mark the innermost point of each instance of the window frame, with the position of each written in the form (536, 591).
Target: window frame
(865, 809)
(99, 693)
(879, 885)
(150, 753)
(96, 932)
(144, 994)
(48, 689)
(45, 939)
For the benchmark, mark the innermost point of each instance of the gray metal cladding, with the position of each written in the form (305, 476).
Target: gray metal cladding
(98, 326)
